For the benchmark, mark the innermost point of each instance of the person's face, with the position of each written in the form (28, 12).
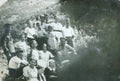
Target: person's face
(50, 29)
(23, 38)
(38, 18)
(44, 47)
(32, 63)
(30, 24)
(67, 24)
(20, 55)
(9, 33)
(38, 26)
(25, 25)
(34, 44)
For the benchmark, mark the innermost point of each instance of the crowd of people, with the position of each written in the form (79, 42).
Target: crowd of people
(44, 47)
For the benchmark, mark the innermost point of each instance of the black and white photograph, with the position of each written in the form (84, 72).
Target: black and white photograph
(59, 40)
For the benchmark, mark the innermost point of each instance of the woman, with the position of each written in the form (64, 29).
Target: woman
(45, 55)
(7, 42)
(41, 36)
(23, 45)
(33, 52)
(52, 41)
(30, 72)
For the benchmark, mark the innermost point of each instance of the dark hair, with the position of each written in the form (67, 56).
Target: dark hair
(6, 31)
(20, 36)
(7, 28)
(63, 38)
(31, 42)
(50, 27)
(37, 24)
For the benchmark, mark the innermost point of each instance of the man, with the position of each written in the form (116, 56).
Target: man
(68, 33)
(16, 64)
(30, 32)
(65, 52)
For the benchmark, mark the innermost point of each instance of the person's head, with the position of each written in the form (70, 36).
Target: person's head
(33, 25)
(63, 41)
(22, 37)
(29, 23)
(25, 25)
(7, 29)
(32, 63)
(38, 18)
(50, 28)
(34, 44)
(44, 47)
(38, 25)
(42, 18)
(19, 53)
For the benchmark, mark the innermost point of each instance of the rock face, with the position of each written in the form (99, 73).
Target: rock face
(24, 8)
(2, 2)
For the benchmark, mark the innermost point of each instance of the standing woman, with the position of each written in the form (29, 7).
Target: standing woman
(7, 42)
(52, 40)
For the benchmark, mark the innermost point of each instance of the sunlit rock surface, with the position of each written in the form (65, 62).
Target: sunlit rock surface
(20, 9)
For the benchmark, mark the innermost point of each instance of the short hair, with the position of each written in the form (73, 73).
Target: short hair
(21, 35)
(7, 27)
(63, 38)
(49, 26)
(19, 50)
(37, 24)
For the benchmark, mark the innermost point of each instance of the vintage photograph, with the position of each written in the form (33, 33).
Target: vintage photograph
(59, 40)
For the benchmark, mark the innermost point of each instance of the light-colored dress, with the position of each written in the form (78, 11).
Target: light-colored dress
(45, 56)
(52, 42)
(11, 44)
(30, 73)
